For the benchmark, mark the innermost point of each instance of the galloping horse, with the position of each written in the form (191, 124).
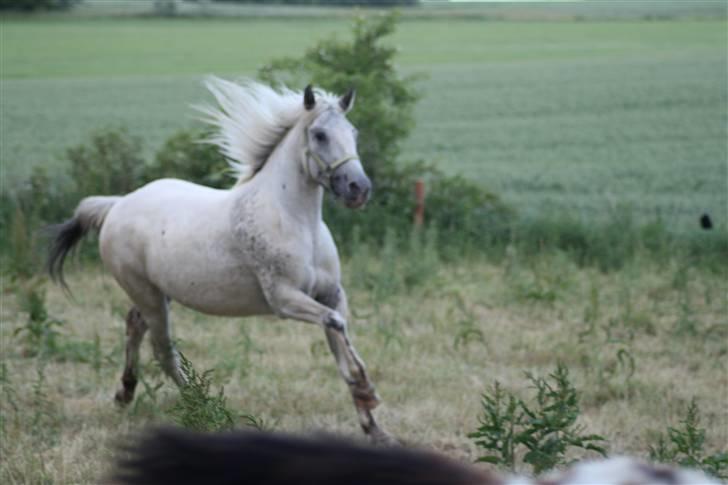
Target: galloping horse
(258, 248)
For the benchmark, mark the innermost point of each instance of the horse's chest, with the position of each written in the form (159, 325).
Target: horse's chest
(315, 277)
(299, 264)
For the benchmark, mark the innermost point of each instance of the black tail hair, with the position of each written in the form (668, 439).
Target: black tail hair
(174, 456)
(63, 237)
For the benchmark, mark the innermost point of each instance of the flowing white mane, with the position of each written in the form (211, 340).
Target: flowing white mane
(251, 119)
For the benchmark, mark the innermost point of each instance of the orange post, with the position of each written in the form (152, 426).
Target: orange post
(420, 202)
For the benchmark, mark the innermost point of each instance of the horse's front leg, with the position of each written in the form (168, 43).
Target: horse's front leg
(354, 372)
(287, 301)
(290, 302)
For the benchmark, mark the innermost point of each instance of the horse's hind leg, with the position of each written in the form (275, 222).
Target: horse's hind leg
(153, 308)
(136, 327)
(164, 350)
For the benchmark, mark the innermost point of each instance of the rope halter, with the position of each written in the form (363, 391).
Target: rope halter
(325, 170)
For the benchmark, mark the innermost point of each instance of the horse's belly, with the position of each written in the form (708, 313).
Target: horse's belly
(225, 298)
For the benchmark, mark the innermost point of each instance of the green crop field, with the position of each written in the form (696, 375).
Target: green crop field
(577, 116)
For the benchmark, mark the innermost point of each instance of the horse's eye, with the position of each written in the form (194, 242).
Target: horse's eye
(320, 136)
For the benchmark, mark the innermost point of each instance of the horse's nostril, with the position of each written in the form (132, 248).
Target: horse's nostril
(354, 188)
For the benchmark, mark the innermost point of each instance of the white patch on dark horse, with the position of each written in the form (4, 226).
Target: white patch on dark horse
(258, 248)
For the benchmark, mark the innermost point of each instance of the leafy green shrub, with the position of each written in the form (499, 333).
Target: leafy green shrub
(461, 212)
(111, 163)
(544, 430)
(685, 446)
(196, 408)
(184, 156)
(383, 112)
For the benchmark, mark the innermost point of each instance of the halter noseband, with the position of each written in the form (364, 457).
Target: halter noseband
(325, 169)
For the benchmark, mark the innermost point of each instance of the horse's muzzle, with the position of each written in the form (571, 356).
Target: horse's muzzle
(354, 192)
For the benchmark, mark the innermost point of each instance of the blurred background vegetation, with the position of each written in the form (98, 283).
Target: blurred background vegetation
(601, 140)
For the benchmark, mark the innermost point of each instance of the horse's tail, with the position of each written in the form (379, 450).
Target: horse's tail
(254, 458)
(89, 214)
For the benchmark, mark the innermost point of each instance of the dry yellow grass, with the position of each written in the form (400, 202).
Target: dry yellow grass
(531, 313)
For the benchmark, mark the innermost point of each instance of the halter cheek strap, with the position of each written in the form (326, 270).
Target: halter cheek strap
(325, 170)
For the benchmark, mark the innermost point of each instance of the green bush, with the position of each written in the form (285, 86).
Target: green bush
(462, 213)
(184, 156)
(111, 163)
(383, 112)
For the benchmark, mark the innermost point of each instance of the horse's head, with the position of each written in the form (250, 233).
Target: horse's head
(331, 158)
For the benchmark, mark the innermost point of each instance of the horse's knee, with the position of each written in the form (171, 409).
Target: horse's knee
(336, 322)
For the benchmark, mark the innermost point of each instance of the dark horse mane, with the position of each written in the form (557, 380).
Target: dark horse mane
(179, 457)
(174, 456)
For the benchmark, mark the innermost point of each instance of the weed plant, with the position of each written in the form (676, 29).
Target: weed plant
(541, 431)
(197, 408)
(41, 335)
(684, 445)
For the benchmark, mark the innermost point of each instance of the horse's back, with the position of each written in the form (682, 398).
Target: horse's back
(164, 191)
(143, 214)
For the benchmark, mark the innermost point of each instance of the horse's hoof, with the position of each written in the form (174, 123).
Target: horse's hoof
(123, 397)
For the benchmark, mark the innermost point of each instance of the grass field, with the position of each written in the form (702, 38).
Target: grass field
(669, 319)
(579, 116)
(569, 112)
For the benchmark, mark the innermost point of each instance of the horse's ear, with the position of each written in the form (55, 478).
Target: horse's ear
(347, 101)
(309, 101)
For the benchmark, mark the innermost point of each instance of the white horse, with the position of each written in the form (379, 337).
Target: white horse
(258, 248)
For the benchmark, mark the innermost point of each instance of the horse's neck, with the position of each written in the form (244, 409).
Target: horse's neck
(284, 178)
